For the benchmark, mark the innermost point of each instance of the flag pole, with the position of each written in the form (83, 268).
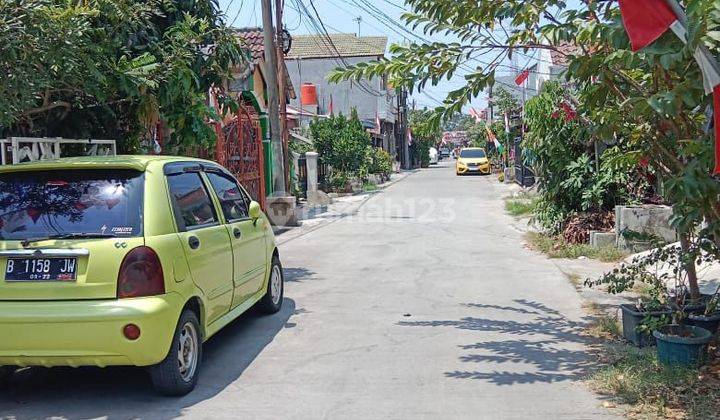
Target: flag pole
(522, 119)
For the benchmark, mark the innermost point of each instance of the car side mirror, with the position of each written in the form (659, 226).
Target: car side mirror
(254, 211)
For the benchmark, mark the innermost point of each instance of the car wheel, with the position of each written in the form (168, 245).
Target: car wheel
(272, 301)
(177, 374)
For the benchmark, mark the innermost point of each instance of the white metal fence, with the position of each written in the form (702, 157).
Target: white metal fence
(29, 149)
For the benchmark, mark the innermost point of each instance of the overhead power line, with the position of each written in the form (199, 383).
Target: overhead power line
(319, 27)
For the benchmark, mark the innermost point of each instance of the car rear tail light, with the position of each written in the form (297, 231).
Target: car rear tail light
(140, 274)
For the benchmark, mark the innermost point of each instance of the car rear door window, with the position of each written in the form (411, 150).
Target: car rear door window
(191, 201)
(71, 203)
(232, 199)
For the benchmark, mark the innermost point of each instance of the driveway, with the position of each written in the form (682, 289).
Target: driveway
(421, 305)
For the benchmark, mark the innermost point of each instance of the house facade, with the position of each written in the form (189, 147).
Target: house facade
(249, 84)
(311, 60)
(550, 65)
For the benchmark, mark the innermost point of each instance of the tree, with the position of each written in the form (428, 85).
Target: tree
(426, 133)
(477, 134)
(458, 122)
(113, 68)
(505, 102)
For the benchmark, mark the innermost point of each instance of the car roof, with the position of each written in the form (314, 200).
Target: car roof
(472, 148)
(137, 162)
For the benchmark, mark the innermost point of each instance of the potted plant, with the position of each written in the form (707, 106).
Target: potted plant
(709, 317)
(679, 344)
(641, 318)
(667, 270)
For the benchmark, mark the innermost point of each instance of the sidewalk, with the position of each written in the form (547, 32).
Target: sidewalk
(580, 269)
(312, 218)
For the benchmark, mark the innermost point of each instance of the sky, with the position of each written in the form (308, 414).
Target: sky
(342, 16)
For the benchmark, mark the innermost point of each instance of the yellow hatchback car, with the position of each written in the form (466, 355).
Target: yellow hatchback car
(472, 160)
(128, 260)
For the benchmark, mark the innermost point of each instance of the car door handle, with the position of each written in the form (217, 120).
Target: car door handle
(237, 233)
(194, 242)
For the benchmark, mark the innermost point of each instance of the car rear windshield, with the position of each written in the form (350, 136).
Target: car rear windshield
(92, 203)
(472, 153)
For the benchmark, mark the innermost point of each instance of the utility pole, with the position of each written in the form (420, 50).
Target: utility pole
(278, 175)
(359, 21)
(282, 81)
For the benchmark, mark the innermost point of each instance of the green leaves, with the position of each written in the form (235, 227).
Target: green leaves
(343, 144)
(116, 66)
(564, 157)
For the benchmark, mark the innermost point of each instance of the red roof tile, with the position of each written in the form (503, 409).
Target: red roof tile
(560, 57)
(251, 39)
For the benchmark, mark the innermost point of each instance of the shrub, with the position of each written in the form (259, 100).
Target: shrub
(381, 162)
(564, 159)
(340, 181)
(342, 143)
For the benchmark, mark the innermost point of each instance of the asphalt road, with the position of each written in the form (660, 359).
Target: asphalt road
(422, 305)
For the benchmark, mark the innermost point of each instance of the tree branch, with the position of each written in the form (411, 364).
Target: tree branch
(47, 107)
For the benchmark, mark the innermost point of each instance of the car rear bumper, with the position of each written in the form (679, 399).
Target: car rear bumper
(87, 333)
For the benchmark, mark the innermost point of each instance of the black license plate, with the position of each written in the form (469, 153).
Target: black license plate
(41, 269)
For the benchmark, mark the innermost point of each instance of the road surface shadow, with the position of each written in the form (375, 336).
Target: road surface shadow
(126, 392)
(297, 274)
(547, 347)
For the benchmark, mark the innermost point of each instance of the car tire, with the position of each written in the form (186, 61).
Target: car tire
(177, 374)
(272, 301)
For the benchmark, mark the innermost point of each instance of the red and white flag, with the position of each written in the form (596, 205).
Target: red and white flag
(331, 109)
(409, 135)
(522, 77)
(647, 20)
(377, 123)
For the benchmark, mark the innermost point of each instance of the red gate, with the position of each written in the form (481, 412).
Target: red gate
(239, 149)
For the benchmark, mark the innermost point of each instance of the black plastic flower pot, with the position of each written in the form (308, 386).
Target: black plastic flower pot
(697, 306)
(632, 319)
(709, 322)
(682, 345)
